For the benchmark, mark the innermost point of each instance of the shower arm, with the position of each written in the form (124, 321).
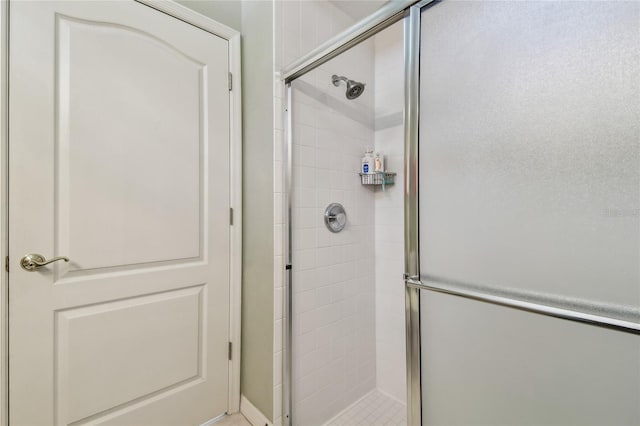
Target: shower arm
(336, 79)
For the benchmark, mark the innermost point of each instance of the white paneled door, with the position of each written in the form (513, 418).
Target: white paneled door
(119, 161)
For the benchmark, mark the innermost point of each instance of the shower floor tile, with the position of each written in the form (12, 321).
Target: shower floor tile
(375, 409)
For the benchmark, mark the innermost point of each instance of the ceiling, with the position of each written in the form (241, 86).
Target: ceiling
(358, 9)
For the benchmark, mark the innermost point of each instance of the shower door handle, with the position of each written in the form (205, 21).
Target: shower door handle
(32, 261)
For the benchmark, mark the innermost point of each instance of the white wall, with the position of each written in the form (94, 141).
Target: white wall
(389, 216)
(228, 12)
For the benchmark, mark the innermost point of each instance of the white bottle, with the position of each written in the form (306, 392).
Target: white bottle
(368, 162)
(379, 163)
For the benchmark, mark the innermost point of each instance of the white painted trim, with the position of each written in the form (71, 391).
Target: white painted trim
(214, 420)
(252, 414)
(4, 212)
(192, 17)
(235, 294)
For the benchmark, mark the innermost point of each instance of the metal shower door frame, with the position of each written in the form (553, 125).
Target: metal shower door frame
(410, 12)
(411, 212)
(414, 282)
(604, 316)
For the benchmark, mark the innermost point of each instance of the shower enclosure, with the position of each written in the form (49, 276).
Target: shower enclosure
(514, 131)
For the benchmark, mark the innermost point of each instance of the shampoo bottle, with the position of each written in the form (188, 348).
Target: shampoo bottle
(368, 162)
(379, 163)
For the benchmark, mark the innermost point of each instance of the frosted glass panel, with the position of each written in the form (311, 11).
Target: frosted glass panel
(489, 365)
(530, 147)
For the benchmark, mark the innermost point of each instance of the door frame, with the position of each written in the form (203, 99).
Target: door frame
(232, 36)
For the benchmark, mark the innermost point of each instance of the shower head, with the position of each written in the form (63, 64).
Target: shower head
(354, 88)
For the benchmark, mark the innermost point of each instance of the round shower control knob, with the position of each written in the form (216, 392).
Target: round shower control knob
(335, 218)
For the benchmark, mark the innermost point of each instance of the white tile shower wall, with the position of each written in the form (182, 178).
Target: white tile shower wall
(389, 217)
(299, 26)
(333, 274)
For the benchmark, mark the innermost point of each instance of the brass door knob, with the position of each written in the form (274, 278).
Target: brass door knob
(32, 261)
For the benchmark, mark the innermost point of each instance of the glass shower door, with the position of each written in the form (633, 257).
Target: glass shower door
(529, 189)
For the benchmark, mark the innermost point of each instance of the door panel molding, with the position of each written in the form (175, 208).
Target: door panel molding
(73, 330)
(167, 237)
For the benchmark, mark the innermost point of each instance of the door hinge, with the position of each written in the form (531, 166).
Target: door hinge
(230, 215)
(6, 263)
(230, 350)
(230, 82)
